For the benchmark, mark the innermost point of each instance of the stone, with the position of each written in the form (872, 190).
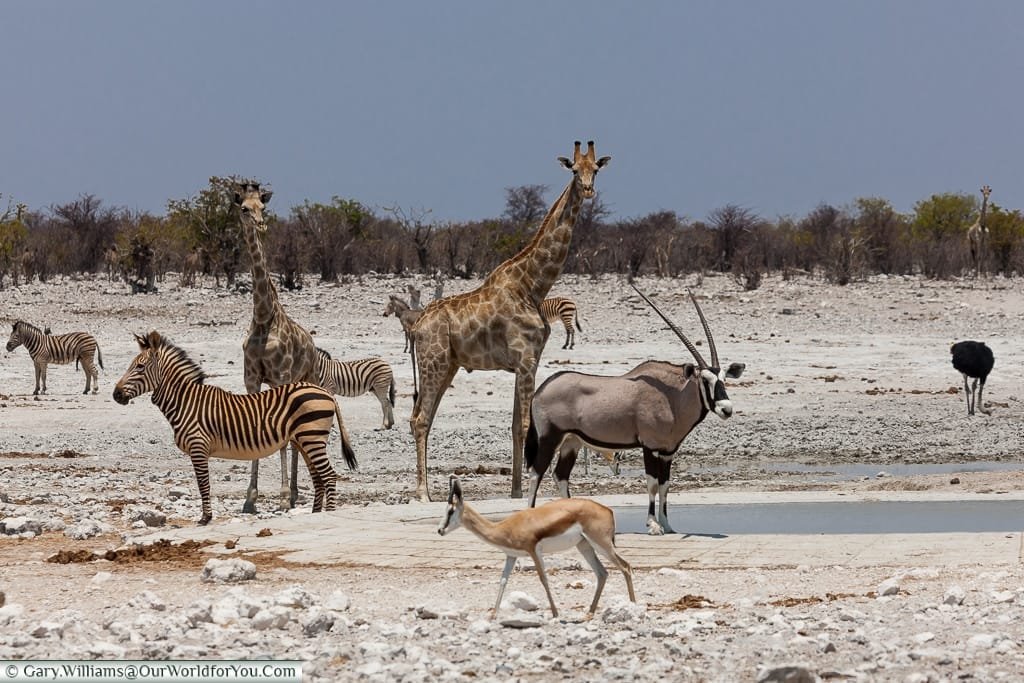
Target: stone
(199, 612)
(148, 516)
(788, 674)
(276, 616)
(177, 492)
(15, 526)
(101, 577)
(87, 528)
(520, 600)
(521, 620)
(621, 610)
(46, 629)
(318, 622)
(148, 600)
(888, 587)
(954, 596)
(337, 602)
(233, 570)
(295, 596)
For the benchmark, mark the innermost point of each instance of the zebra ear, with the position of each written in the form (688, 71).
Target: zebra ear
(154, 339)
(141, 341)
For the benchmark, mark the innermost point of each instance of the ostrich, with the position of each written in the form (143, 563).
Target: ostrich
(973, 359)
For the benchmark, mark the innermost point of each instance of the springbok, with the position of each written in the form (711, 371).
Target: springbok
(534, 532)
(654, 406)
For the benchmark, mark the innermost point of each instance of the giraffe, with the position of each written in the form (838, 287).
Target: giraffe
(277, 350)
(498, 325)
(977, 234)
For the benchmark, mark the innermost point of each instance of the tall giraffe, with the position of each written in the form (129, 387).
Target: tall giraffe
(498, 325)
(977, 234)
(277, 350)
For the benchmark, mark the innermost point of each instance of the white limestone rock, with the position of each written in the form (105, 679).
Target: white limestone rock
(296, 597)
(150, 517)
(954, 596)
(622, 611)
(199, 612)
(317, 622)
(45, 629)
(276, 616)
(890, 586)
(521, 601)
(177, 492)
(87, 528)
(16, 526)
(337, 602)
(10, 612)
(148, 600)
(100, 578)
(232, 570)
(523, 620)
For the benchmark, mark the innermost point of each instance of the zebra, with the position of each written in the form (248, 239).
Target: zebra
(211, 422)
(357, 377)
(58, 349)
(557, 308)
(406, 315)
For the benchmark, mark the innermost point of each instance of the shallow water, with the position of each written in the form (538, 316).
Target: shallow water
(833, 518)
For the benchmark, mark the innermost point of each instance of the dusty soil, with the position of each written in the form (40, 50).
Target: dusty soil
(835, 376)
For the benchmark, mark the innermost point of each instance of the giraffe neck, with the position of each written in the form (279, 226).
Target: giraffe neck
(984, 209)
(264, 295)
(535, 269)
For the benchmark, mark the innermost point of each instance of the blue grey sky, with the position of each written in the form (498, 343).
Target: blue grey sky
(775, 106)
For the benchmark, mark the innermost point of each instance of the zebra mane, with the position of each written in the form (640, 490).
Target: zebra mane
(30, 326)
(323, 353)
(189, 369)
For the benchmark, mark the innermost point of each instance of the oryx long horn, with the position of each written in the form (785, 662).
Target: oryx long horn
(689, 345)
(707, 331)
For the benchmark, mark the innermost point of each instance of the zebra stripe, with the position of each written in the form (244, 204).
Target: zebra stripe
(211, 422)
(561, 308)
(357, 377)
(60, 349)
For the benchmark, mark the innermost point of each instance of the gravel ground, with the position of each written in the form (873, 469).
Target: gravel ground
(836, 376)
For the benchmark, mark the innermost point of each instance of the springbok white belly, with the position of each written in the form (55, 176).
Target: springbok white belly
(554, 544)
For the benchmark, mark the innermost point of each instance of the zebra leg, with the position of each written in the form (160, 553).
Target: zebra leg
(40, 369)
(293, 491)
(385, 405)
(314, 474)
(201, 465)
(285, 491)
(87, 369)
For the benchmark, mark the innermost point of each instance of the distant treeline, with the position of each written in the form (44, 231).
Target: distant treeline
(343, 238)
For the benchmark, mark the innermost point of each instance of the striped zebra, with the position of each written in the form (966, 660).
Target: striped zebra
(211, 422)
(560, 308)
(57, 349)
(357, 377)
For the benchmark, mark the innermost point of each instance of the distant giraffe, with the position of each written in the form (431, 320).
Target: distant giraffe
(977, 234)
(277, 350)
(498, 325)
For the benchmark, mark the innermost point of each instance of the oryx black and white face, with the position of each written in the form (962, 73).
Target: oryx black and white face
(712, 387)
(453, 512)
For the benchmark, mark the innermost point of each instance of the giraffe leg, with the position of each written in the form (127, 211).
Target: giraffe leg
(252, 385)
(249, 506)
(423, 412)
(521, 423)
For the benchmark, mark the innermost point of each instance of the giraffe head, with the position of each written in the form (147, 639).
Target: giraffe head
(986, 191)
(584, 167)
(251, 201)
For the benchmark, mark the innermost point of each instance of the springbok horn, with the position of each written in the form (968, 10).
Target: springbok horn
(590, 150)
(707, 331)
(679, 333)
(576, 151)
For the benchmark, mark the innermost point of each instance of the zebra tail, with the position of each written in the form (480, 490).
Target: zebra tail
(577, 318)
(99, 356)
(346, 445)
(391, 392)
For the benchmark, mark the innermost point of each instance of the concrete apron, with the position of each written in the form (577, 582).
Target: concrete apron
(405, 536)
